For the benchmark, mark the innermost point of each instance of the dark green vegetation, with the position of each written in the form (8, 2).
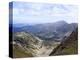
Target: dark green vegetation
(68, 46)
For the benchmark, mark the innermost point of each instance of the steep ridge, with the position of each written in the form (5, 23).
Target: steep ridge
(25, 45)
(67, 46)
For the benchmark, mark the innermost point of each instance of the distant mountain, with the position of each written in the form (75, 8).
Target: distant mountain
(68, 46)
(48, 31)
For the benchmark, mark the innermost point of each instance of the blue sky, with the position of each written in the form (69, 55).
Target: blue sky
(36, 13)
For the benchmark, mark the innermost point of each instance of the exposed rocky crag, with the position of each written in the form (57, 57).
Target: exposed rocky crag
(67, 46)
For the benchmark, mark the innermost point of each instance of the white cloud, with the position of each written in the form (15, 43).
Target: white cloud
(40, 12)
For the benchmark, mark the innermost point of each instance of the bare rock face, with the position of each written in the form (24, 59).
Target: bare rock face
(68, 46)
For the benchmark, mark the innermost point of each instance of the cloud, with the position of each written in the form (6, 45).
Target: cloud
(37, 12)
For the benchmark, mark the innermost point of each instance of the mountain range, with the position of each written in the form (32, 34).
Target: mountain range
(48, 31)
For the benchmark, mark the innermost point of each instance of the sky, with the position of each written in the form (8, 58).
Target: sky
(36, 13)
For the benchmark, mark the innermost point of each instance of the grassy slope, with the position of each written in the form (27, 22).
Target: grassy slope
(19, 53)
(69, 46)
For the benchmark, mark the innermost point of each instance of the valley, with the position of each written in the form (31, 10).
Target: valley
(34, 45)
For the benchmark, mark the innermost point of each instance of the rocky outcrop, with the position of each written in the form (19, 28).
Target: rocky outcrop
(26, 43)
(67, 46)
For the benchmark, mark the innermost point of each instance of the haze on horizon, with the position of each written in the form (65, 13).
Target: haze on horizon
(37, 13)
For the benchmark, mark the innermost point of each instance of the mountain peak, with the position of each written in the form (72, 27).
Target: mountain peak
(62, 21)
